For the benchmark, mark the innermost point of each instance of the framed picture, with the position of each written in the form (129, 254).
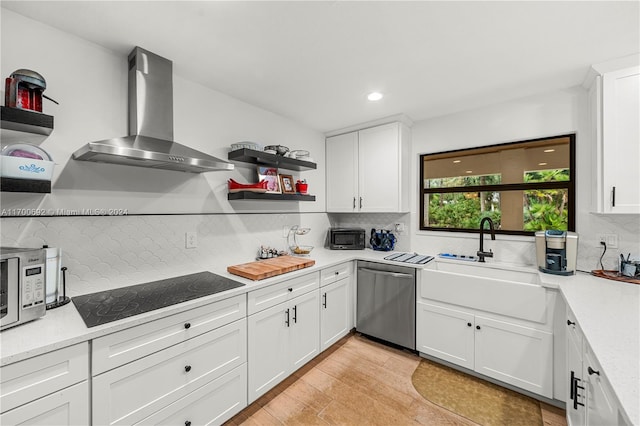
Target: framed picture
(270, 174)
(287, 185)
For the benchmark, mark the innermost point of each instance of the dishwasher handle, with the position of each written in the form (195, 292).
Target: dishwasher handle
(392, 274)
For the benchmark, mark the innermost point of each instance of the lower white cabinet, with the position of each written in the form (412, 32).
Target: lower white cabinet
(48, 389)
(282, 339)
(336, 303)
(515, 354)
(134, 391)
(210, 404)
(69, 406)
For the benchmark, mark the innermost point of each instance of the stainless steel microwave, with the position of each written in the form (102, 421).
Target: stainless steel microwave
(346, 238)
(22, 295)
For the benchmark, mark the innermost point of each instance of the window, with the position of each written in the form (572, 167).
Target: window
(523, 187)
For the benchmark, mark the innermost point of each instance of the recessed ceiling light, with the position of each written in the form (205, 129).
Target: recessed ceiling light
(457, 161)
(374, 96)
(549, 150)
(469, 171)
(542, 164)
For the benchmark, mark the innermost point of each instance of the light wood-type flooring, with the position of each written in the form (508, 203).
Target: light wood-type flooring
(357, 382)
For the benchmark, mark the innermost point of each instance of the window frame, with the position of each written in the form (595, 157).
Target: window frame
(569, 185)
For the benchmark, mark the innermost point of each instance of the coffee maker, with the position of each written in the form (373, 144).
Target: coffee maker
(557, 251)
(23, 89)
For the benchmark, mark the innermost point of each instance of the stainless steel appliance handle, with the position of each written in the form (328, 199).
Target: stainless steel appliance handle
(392, 274)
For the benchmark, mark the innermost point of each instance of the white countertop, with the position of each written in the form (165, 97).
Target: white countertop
(608, 313)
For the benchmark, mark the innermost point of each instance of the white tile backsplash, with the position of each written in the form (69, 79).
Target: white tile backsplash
(103, 252)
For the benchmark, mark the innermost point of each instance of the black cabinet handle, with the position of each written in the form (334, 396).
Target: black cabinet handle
(187, 423)
(187, 368)
(477, 327)
(469, 324)
(324, 300)
(591, 371)
(572, 382)
(337, 273)
(290, 289)
(569, 322)
(613, 196)
(187, 325)
(295, 314)
(360, 202)
(287, 314)
(354, 203)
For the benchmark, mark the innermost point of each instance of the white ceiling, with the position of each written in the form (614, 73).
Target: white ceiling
(315, 62)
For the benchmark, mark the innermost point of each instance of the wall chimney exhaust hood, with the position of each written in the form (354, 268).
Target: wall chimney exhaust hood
(150, 143)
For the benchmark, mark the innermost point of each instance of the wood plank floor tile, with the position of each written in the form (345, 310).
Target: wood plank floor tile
(358, 381)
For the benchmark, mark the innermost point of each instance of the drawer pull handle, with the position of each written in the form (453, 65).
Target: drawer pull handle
(469, 324)
(591, 371)
(187, 368)
(477, 327)
(187, 423)
(337, 273)
(290, 289)
(569, 322)
(187, 325)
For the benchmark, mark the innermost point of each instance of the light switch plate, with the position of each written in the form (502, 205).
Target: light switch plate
(190, 240)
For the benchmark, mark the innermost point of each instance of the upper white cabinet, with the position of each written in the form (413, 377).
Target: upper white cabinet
(614, 108)
(368, 170)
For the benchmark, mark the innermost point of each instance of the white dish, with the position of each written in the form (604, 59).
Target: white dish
(9, 149)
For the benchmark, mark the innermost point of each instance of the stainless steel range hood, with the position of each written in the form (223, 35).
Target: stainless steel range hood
(150, 143)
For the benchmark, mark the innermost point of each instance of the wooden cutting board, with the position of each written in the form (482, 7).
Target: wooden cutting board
(262, 269)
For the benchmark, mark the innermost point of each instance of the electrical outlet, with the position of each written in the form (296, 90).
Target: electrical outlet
(611, 240)
(190, 240)
(399, 227)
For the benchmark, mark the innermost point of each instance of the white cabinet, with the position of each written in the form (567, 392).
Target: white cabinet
(282, 335)
(591, 400)
(368, 170)
(614, 103)
(174, 365)
(470, 340)
(336, 312)
(47, 389)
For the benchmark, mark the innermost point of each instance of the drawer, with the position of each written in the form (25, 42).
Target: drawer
(267, 297)
(136, 342)
(335, 273)
(213, 403)
(36, 377)
(69, 406)
(133, 392)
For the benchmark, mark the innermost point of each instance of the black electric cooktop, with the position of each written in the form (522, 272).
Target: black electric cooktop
(112, 305)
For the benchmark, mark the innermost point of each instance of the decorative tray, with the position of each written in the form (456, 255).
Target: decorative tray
(613, 275)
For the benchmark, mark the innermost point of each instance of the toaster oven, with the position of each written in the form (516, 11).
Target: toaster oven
(22, 292)
(346, 238)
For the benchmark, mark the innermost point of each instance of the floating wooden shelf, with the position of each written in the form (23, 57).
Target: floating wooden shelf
(247, 195)
(259, 157)
(21, 120)
(25, 185)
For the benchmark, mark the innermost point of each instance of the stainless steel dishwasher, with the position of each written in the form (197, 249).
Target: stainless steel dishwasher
(386, 303)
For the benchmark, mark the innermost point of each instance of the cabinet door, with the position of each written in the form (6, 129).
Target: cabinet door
(130, 393)
(602, 408)
(268, 333)
(445, 333)
(69, 406)
(379, 169)
(304, 338)
(517, 355)
(620, 134)
(342, 173)
(335, 312)
(575, 395)
(213, 403)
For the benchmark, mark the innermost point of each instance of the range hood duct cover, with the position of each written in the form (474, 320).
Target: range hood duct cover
(150, 143)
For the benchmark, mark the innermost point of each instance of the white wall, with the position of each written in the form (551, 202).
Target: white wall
(543, 115)
(90, 83)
